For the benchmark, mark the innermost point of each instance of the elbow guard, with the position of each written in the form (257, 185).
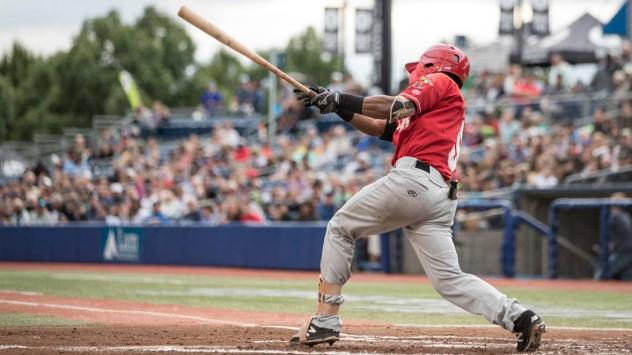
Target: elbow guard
(401, 108)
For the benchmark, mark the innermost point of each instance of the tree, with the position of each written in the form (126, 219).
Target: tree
(6, 107)
(16, 64)
(67, 89)
(305, 55)
(32, 101)
(172, 51)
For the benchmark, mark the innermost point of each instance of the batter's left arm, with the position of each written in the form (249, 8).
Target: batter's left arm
(389, 108)
(382, 107)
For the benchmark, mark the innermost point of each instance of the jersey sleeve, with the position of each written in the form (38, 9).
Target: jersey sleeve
(426, 92)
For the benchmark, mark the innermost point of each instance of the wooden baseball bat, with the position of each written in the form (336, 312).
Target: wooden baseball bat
(198, 21)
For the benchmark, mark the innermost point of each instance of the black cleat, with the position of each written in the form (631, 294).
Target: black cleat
(528, 328)
(316, 335)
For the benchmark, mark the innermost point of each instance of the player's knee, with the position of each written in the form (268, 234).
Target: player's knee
(338, 230)
(446, 281)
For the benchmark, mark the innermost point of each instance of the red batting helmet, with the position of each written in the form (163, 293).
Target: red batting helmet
(442, 58)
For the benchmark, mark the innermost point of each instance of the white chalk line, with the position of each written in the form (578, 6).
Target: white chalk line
(126, 279)
(124, 311)
(23, 293)
(426, 343)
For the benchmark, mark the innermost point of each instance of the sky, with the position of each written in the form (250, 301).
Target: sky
(47, 26)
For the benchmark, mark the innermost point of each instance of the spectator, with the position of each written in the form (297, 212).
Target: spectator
(545, 178)
(157, 217)
(620, 244)
(144, 118)
(193, 213)
(508, 127)
(42, 216)
(307, 212)
(161, 114)
(212, 100)
(112, 218)
(76, 160)
(327, 208)
(602, 81)
(20, 215)
(249, 97)
(210, 215)
(560, 73)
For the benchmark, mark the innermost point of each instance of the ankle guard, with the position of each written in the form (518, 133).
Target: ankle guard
(329, 298)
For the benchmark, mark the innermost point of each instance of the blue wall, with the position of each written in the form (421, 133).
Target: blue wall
(279, 246)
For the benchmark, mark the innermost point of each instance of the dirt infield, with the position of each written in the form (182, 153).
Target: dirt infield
(264, 340)
(133, 327)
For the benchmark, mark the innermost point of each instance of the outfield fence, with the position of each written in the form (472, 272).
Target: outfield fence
(280, 245)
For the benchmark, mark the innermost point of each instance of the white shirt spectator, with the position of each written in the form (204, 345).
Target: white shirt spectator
(43, 217)
(561, 68)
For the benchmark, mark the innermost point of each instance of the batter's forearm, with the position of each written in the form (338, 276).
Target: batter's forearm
(381, 107)
(368, 125)
(378, 106)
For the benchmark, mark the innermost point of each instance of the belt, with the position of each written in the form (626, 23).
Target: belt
(422, 166)
(453, 184)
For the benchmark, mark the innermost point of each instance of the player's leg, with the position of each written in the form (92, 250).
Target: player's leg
(434, 247)
(373, 210)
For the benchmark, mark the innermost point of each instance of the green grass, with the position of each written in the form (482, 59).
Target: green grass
(28, 320)
(564, 308)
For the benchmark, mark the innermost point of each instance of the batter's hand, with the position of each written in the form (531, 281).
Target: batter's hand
(326, 101)
(307, 97)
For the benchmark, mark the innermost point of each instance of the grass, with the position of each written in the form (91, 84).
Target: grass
(565, 308)
(28, 320)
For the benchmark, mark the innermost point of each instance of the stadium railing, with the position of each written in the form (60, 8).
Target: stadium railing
(603, 204)
(605, 176)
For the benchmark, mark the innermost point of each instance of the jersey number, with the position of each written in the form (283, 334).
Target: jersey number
(453, 157)
(403, 123)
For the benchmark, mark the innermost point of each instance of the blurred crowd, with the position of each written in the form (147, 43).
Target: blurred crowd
(524, 127)
(212, 180)
(247, 100)
(535, 128)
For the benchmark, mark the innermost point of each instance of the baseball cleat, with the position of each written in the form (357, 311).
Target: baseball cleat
(315, 335)
(529, 328)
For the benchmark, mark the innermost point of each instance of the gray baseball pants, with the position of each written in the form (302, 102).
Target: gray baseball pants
(418, 202)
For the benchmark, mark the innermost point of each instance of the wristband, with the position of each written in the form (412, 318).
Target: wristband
(350, 103)
(345, 115)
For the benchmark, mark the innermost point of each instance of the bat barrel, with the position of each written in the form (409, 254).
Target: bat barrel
(198, 21)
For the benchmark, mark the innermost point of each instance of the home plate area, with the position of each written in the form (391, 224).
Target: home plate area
(267, 340)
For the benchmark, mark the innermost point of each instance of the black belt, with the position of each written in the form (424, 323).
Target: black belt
(423, 166)
(453, 184)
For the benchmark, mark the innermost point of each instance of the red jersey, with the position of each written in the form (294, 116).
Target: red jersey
(433, 135)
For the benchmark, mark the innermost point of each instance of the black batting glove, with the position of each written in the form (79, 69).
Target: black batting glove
(326, 101)
(306, 97)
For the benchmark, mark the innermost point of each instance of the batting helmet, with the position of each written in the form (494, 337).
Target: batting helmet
(441, 58)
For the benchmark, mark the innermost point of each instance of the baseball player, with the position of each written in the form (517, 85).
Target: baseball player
(425, 123)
